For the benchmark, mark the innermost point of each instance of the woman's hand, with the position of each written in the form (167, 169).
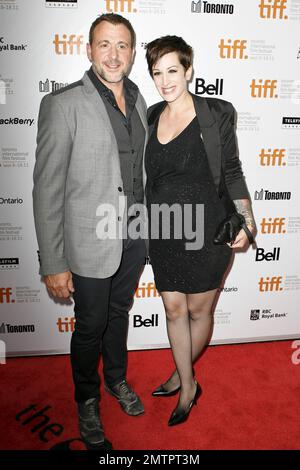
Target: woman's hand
(241, 240)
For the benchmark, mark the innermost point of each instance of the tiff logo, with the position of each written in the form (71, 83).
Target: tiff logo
(146, 290)
(67, 325)
(272, 9)
(272, 158)
(5, 295)
(66, 46)
(263, 89)
(233, 50)
(119, 6)
(270, 285)
(275, 225)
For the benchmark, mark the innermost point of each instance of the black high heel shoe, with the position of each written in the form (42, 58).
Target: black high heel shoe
(162, 392)
(180, 415)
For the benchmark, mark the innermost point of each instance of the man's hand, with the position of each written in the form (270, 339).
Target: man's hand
(60, 285)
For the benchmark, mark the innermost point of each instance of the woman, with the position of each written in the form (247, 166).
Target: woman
(191, 161)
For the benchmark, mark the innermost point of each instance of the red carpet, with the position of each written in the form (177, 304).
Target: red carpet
(251, 400)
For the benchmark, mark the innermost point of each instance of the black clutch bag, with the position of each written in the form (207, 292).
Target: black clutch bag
(230, 227)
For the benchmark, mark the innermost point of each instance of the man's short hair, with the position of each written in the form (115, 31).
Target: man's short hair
(113, 18)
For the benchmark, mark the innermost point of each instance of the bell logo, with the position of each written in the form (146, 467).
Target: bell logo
(5, 295)
(263, 89)
(67, 325)
(66, 46)
(233, 50)
(275, 225)
(211, 89)
(270, 285)
(272, 9)
(119, 6)
(147, 322)
(272, 158)
(269, 256)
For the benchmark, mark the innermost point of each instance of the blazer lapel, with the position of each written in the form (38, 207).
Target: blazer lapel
(211, 137)
(96, 101)
(142, 112)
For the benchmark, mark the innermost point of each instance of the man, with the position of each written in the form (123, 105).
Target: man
(90, 146)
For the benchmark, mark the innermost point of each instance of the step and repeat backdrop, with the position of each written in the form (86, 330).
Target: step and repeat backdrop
(246, 52)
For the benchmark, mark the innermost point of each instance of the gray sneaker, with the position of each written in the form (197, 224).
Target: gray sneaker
(127, 398)
(90, 426)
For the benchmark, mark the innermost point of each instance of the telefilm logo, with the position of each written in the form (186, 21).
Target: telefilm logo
(61, 3)
(8, 328)
(268, 256)
(270, 284)
(265, 194)
(272, 157)
(263, 88)
(233, 49)
(273, 9)
(5, 47)
(49, 86)
(213, 8)
(257, 314)
(10, 200)
(15, 121)
(9, 263)
(68, 45)
(201, 88)
(120, 6)
(290, 122)
(272, 225)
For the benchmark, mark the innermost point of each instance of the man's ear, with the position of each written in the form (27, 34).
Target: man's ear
(88, 51)
(133, 55)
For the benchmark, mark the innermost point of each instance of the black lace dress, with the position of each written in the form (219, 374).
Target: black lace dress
(178, 173)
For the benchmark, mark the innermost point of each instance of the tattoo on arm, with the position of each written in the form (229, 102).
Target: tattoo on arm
(243, 206)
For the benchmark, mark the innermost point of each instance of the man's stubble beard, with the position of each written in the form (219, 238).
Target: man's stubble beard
(100, 72)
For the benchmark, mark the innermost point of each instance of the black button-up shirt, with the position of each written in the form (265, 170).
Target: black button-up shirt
(130, 136)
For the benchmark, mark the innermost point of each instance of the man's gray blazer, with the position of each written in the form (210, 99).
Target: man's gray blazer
(77, 169)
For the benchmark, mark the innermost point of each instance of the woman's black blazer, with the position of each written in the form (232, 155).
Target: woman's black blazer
(216, 120)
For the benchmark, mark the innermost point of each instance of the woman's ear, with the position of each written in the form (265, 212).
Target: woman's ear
(189, 73)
